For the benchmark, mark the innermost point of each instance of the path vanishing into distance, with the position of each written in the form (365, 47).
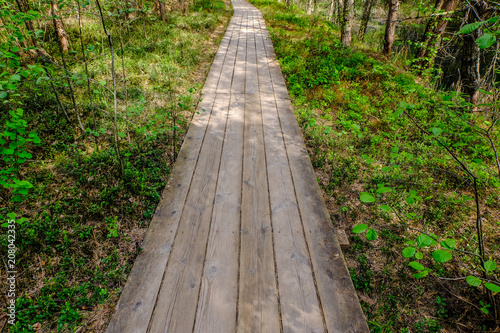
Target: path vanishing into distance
(241, 240)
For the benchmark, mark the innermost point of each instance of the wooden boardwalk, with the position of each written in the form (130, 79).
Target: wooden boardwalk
(241, 240)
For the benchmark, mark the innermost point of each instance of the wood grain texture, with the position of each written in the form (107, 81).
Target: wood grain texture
(258, 299)
(178, 296)
(219, 290)
(300, 310)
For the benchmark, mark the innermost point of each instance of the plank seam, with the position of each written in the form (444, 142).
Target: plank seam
(211, 215)
(271, 224)
(183, 207)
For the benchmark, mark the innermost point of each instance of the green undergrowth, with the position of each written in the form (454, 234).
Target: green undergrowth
(85, 219)
(372, 132)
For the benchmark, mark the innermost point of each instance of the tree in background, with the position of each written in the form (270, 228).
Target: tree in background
(433, 35)
(347, 22)
(390, 28)
(365, 18)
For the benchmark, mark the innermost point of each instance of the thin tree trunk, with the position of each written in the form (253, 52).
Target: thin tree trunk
(346, 37)
(115, 122)
(365, 18)
(331, 10)
(310, 7)
(163, 11)
(59, 27)
(390, 28)
(470, 60)
(72, 93)
(288, 3)
(433, 35)
(340, 11)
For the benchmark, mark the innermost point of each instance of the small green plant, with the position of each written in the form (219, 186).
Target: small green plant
(112, 226)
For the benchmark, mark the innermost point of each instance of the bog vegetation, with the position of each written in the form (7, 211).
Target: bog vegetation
(397, 100)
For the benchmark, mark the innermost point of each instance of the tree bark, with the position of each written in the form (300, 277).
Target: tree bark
(58, 25)
(163, 11)
(347, 22)
(288, 3)
(390, 27)
(310, 7)
(331, 10)
(340, 11)
(470, 60)
(433, 36)
(365, 18)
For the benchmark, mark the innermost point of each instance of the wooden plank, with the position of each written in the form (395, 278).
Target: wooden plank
(219, 288)
(300, 310)
(265, 83)
(136, 302)
(339, 300)
(258, 296)
(213, 76)
(252, 81)
(278, 82)
(238, 83)
(226, 77)
(178, 296)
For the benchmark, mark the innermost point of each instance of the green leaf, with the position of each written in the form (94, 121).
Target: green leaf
(448, 244)
(419, 255)
(16, 77)
(416, 265)
(436, 131)
(102, 83)
(386, 169)
(410, 200)
(490, 265)
(384, 190)
(5, 225)
(441, 255)
(371, 234)
(493, 287)
(121, 134)
(366, 197)
(424, 240)
(409, 252)
(420, 274)
(468, 28)
(485, 41)
(473, 281)
(385, 208)
(359, 228)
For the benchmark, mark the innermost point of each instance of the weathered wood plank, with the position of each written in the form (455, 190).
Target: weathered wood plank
(226, 77)
(139, 294)
(258, 299)
(178, 296)
(238, 82)
(265, 83)
(339, 300)
(219, 289)
(213, 76)
(300, 310)
(252, 81)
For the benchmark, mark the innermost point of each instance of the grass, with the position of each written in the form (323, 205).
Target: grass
(349, 103)
(85, 220)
